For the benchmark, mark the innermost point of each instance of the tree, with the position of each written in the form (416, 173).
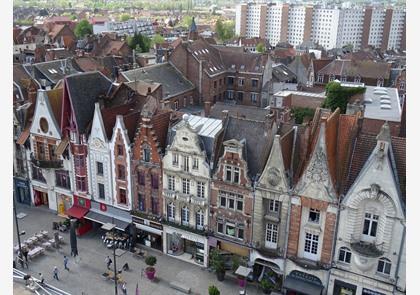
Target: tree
(260, 47)
(124, 17)
(338, 96)
(186, 21)
(83, 28)
(158, 39)
(225, 30)
(301, 113)
(213, 290)
(139, 42)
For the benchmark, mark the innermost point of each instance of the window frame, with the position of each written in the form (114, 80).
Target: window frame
(344, 255)
(185, 216)
(386, 266)
(99, 168)
(100, 191)
(171, 183)
(271, 235)
(170, 211)
(317, 213)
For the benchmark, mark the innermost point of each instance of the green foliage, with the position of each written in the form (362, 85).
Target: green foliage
(260, 47)
(186, 21)
(23, 22)
(213, 290)
(83, 28)
(301, 113)
(266, 284)
(158, 39)
(225, 29)
(125, 17)
(150, 260)
(216, 261)
(338, 96)
(236, 261)
(139, 42)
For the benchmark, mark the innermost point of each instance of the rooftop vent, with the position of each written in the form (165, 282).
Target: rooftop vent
(385, 107)
(368, 100)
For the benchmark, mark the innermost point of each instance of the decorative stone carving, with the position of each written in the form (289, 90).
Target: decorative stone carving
(317, 170)
(273, 176)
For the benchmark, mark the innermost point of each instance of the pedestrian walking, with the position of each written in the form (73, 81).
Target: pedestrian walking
(55, 272)
(26, 278)
(124, 289)
(66, 260)
(25, 254)
(108, 262)
(41, 279)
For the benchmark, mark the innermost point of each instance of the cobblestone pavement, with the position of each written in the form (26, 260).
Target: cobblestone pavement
(85, 272)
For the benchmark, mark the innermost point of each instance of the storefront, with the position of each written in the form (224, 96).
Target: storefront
(101, 213)
(301, 283)
(343, 288)
(64, 203)
(149, 233)
(22, 192)
(40, 196)
(366, 291)
(79, 209)
(271, 268)
(185, 245)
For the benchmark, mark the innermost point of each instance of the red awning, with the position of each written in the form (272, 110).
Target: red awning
(77, 211)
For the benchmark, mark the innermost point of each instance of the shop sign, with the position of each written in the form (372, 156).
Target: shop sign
(102, 207)
(305, 277)
(370, 292)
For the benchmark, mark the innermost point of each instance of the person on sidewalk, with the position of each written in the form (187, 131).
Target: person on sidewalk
(55, 272)
(66, 260)
(124, 289)
(41, 279)
(25, 254)
(108, 262)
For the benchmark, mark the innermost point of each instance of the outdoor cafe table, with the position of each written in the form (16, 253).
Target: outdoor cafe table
(35, 252)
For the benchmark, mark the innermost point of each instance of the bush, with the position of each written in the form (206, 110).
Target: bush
(235, 262)
(301, 113)
(216, 261)
(266, 284)
(150, 260)
(213, 290)
(338, 96)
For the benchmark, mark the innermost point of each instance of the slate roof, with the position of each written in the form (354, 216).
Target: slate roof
(239, 111)
(173, 82)
(257, 142)
(365, 68)
(56, 70)
(109, 116)
(84, 90)
(55, 97)
(281, 73)
(363, 148)
(245, 62)
(21, 77)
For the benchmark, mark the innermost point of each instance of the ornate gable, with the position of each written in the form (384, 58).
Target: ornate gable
(98, 138)
(316, 182)
(44, 122)
(273, 176)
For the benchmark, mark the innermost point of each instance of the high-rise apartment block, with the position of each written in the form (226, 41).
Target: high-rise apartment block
(331, 27)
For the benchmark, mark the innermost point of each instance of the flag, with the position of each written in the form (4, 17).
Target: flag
(137, 289)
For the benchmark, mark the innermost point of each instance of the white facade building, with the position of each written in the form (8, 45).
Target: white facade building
(296, 25)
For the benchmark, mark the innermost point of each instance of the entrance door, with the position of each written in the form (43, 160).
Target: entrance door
(41, 198)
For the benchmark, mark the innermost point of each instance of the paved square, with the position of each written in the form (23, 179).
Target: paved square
(86, 270)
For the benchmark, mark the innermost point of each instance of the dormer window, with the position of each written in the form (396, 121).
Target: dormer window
(175, 160)
(320, 78)
(370, 225)
(380, 82)
(314, 215)
(332, 78)
(232, 174)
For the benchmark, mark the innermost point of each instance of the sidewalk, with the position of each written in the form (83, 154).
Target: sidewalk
(85, 272)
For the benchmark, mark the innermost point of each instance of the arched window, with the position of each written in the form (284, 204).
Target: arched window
(384, 266)
(344, 255)
(185, 215)
(171, 211)
(199, 219)
(146, 154)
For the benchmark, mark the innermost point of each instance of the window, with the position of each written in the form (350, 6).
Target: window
(231, 201)
(185, 215)
(176, 105)
(230, 81)
(222, 201)
(37, 174)
(99, 168)
(344, 255)
(79, 161)
(175, 159)
(254, 82)
(146, 154)
(141, 178)
(314, 215)
(121, 172)
(199, 219)
(123, 196)
(185, 186)
(357, 79)
(271, 233)
(254, 98)
(195, 163)
(229, 177)
(274, 206)
(384, 266)
(229, 94)
(155, 206)
(215, 84)
(81, 183)
(40, 150)
(241, 81)
(370, 224)
(228, 173)
(240, 233)
(236, 175)
(155, 181)
(142, 202)
(220, 227)
(311, 243)
(171, 183)
(230, 230)
(320, 78)
(380, 82)
(240, 96)
(200, 189)
(239, 203)
(402, 85)
(62, 179)
(171, 211)
(101, 191)
(120, 150)
(343, 78)
(186, 166)
(332, 77)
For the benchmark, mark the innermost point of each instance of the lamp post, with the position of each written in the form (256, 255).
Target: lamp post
(17, 228)
(111, 227)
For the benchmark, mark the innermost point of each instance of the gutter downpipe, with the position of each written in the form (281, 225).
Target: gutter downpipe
(399, 260)
(334, 241)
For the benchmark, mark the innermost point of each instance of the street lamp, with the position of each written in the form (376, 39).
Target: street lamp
(19, 233)
(111, 227)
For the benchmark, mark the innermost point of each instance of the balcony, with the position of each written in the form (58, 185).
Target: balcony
(366, 249)
(47, 164)
(192, 229)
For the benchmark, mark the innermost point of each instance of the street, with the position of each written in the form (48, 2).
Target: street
(85, 272)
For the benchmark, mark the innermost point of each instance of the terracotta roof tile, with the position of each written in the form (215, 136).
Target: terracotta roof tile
(365, 69)
(160, 122)
(109, 116)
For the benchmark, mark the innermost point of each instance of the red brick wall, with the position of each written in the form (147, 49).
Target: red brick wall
(373, 126)
(327, 244)
(294, 230)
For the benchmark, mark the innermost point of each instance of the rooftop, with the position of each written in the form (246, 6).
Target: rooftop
(302, 93)
(382, 104)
